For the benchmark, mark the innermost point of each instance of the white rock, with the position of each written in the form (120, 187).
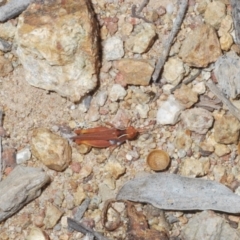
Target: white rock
(23, 155)
(199, 88)
(117, 92)
(101, 97)
(169, 112)
(142, 110)
(113, 48)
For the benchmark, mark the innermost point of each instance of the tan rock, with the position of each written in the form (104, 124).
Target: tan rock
(52, 216)
(142, 38)
(226, 41)
(7, 30)
(174, 71)
(186, 96)
(220, 174)
(221, 150)
(200, 47)
(5, 66)
(183, 140)
(226, 129)
(226, 25)
(53, 150)
(195, 167)
(115, 169)
(37, 234)
(79, 196)
(135, 72)
(214, 13)
(57, 46)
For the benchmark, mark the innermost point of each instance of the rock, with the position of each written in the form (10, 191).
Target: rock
(200, 47)
(117, 92)
(57, 46)
(198, 120)
(169, 112)
(226, 41)
(7, 30)
(183, 140)
(115, 169)
(142, 110)
(23, 155)
(226, 129)
(142, 38)
(53, 150)
(226, 25)
(111, 24)
(37, 234)
(113, 49)
(220, 174)
(214, 13)
(199, 88)
(93, 113)
(174, 71)
(186, 96)
(207, 225)
(9, 159)
(227, 71)
(135, 72)
(194, 167)
(105, 192)
(52, 215)
(21, 186)
(221, 150)
(5, 66)
(101, 97)
(79, 196)
(5, 46)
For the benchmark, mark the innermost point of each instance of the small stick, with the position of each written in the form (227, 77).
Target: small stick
(81, 209)
(232, 109)
(83, 229)
(168, 43)
(187, 81)
(136, 13)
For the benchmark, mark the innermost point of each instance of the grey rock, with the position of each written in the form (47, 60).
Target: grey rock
(21, 186)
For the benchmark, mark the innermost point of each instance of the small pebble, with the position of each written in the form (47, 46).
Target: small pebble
(23, 155)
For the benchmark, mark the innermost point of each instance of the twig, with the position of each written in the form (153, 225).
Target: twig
(213, 88)
(81, 209)
(83, 229)
(236, 18)
(187, 81)
(136, 13)
(168, 43)
(13, 8)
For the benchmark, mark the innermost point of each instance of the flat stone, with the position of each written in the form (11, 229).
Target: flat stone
(141, 38)
(197, 119)
(37, 234)
(200, 47)
(208, 225)
(221, 149)
(57, 46)
(226, 129)
(135, 72)
(214, 13)
(115, 169)
(23, 182)
(53, 150)
(117, 92)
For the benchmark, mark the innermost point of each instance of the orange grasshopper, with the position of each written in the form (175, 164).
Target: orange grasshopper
(103, 137)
